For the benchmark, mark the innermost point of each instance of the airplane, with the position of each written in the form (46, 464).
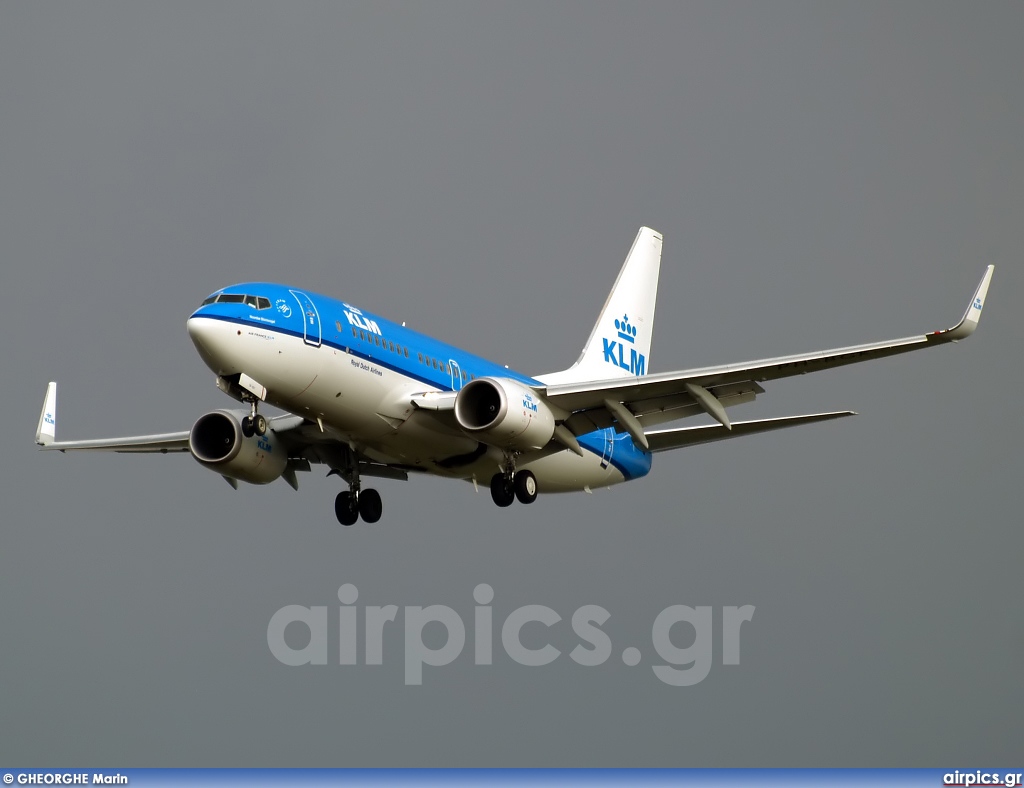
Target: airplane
(367, 397)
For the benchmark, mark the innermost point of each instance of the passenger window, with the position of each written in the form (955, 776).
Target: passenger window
(406, 350)
(355, 332)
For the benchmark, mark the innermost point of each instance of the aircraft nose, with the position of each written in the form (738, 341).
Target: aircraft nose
(211, 338)
(196, 328)
(198, 331)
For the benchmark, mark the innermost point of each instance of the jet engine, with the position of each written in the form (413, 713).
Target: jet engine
(217, 443)
(504, 413)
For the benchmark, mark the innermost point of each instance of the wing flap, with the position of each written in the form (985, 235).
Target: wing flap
(665, 440)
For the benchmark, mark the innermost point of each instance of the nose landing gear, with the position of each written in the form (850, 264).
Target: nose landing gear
(256, 424)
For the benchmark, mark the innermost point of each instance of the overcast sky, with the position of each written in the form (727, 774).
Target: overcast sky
(824, 174)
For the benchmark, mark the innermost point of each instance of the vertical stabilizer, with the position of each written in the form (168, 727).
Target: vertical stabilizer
(620, 344)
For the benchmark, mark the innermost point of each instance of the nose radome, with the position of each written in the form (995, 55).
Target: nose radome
(197, 328)
(212, 341)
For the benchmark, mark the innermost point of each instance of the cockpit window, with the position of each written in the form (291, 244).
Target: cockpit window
(256, 302)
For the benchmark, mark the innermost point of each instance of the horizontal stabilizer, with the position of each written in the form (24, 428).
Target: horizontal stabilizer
(663, 440)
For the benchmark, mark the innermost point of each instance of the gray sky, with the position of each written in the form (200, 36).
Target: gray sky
(824, 174)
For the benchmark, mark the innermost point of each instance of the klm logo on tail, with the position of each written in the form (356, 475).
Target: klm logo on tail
(615, 349)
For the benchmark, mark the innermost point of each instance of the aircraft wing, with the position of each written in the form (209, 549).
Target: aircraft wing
(630, 401)
(297, 433)
(46, 435)
(304, 440)
(163, 443)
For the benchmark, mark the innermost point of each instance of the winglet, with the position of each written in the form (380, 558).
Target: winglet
(972, 316)
(46, 432)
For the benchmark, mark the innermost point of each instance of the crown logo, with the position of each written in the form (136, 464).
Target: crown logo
(626, 331)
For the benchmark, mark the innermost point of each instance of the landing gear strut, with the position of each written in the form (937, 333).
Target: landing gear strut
(354, 503)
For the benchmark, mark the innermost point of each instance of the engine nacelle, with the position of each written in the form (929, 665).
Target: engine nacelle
(217, 443)
(505, 413)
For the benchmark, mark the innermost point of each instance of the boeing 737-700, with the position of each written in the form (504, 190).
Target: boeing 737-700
(367, 397)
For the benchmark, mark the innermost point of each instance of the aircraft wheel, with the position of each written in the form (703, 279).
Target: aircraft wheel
(525, 484)
(247, 426)
(501, 490)
(259, 424)
(370, 505)
(345, 509)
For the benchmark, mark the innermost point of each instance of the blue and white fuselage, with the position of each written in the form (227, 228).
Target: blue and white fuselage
(359, 373)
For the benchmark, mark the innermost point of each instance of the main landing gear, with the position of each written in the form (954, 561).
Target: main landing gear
(507, 487)
(354, 503)
(349, 506)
